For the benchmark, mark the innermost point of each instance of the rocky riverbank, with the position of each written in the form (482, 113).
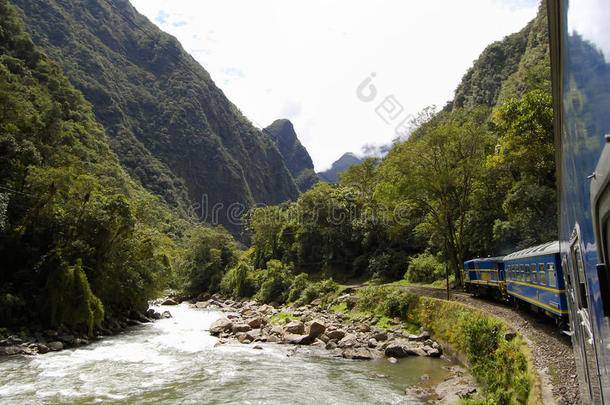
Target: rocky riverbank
(33, 342)
(348, 337)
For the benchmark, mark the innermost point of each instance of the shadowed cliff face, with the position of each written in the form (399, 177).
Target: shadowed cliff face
(295, 155)
(171, 127)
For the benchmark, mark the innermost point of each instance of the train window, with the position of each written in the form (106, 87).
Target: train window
(580, 273)
(528, 275)
(521, 273)
(542, 273)
(552, 279)
(534, 274)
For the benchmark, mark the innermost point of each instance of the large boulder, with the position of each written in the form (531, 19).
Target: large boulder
(221, 325)
(316, 328)
(295, 327)
(398, 349)
(169, 301)
(348, 340)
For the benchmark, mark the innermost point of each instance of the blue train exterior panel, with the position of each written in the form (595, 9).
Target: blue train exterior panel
(487, 273)
(534, 275)
(580, 64)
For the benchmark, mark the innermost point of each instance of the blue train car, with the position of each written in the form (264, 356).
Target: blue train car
(534, 276)
(485, 276)
(580, 72)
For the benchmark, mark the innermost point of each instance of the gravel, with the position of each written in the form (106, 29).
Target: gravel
(551, 349)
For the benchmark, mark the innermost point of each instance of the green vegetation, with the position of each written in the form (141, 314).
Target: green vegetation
(79, 239)
(502, 367)
(173, 130)
(476, 179)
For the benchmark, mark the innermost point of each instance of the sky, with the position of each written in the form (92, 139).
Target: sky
(347, 73)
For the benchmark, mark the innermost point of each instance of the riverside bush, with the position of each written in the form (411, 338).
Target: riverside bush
(502, 368)
(274, 282)
(239, 281)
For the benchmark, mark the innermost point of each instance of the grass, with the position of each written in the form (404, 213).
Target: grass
(281, 318)
(439, 284)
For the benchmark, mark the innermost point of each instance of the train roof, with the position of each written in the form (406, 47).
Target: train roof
(486, 259)
(545, 249)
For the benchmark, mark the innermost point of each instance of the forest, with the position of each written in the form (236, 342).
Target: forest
(84, 235)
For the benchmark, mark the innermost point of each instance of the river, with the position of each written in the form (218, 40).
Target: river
(175, 361)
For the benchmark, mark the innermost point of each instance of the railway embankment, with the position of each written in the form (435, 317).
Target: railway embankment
(551, 350)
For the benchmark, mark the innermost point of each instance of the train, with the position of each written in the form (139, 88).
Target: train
(578, 263)
(531, 277)
(579, 36)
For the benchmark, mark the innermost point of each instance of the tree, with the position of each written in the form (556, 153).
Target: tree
(433, 173)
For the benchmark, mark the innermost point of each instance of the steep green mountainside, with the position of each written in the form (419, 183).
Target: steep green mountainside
(171, 127)
(509, 68)
(79, 239)
(295, 155)
(339, 166)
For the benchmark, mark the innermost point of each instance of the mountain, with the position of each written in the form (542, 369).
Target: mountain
(79, 239)
(172, 128)
(339, 166)
(295, 155)
(509, 68)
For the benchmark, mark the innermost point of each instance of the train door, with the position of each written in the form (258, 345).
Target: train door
(600, 210)
(583, 337)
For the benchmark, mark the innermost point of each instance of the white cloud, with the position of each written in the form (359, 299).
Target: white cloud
(303, 60)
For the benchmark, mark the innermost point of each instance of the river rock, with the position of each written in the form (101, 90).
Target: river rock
(361, 353)
(241, 327)
(255, 322)
(433, 352)
(316, 328)
(296, 339)
(416, 351)
(254, 334)
(294, 327)
(166, 315)
(42, 349)
(220, 325)
(336, 334)
(380, 335)
(9, 350)
(372, 343)
(169, 301)
(55, 346)
(397, 348)
(348, 340)
(421, 337)
(242, 337)
(392, 360)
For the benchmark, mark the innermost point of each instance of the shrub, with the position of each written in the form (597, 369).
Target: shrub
(299, 285)
(424, 268)
(274, 282)
(239, 281)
